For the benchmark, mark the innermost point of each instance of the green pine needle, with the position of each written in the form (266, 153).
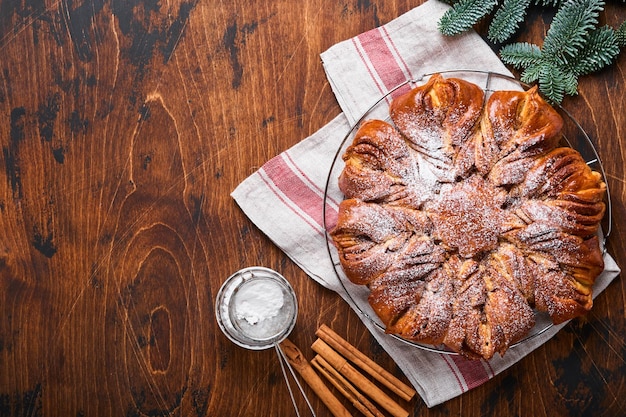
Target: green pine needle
(463, 15)
(570, 26)
(532, 72)
(507, 19)
(600, 50)
(621, 35)
(570, 83)
(548, 3)
(552, 83)
(520, 54)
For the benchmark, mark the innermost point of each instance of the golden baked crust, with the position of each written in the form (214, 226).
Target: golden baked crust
(464, 215)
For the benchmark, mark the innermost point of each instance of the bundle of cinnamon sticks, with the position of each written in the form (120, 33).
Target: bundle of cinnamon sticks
(337, 361)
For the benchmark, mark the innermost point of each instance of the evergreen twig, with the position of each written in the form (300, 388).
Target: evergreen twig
(464, 14)
(621, 35)
(570, 27)
(507, 19)
(574, 44)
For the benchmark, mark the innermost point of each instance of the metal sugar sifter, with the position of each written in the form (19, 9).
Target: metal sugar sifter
(256, 308)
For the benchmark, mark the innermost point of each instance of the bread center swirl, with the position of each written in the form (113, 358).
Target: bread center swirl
(468, 217)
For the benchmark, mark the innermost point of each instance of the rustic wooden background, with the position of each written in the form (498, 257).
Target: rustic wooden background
(124, 127)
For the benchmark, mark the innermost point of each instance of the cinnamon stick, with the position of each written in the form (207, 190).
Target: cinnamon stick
(357, 357)
(360, 381)
(302, 366)
(357, 399)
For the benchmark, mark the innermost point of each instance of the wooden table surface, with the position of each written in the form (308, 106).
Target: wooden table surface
(125, 127)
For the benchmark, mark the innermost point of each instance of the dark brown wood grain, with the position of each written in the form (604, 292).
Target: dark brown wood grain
(124, 127)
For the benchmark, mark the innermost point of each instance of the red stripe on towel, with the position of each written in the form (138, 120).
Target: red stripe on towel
(454, 370)
(366, 61)
(279, 195)
(383, 61)
(473, 371)
(407, 70)
(306, 202)
(330, 203)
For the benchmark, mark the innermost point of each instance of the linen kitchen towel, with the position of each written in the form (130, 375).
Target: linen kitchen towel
(285, 197)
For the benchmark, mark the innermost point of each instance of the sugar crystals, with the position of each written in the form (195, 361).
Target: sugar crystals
(258, 301)
(260, 310)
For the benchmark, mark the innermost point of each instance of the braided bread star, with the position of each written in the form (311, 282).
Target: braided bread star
(463, 216)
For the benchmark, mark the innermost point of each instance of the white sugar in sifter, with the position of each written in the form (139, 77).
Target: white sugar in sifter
(256, 308)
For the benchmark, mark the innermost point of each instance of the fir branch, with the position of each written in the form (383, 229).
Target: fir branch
(621, 35)
(548, 3)
(551, 83)
(573, 46)
(555, 77)
(520, 54)
(570, 83)
(507, 19)
(600, 50)
(463, 15)
(570, 26)
(532, 72)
